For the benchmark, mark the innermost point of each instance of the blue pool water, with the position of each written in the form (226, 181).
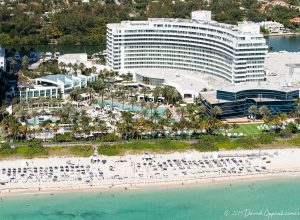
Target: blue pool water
(38, 120)
(129, 107)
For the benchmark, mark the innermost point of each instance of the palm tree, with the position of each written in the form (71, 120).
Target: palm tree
(173, 95)
(132, 102)
(297, 102)
(93, 69)
(70, 67)
(75, 94)
(131, 90)
(168, 114)
(145, 90)
(123, 99)
(75, 67)
(156, 116)
(263, 110)
(112, 95)
(142, 104)
(252, 110)
(234, 126)
(156, 92)
(91, 91)
(81, 67)
(181, 111)
(201, 109)
(100, 87)
(279, 119)
(42, 101)
(215, 111)
(55, 128)
(25, 62)
(62, 65)
(143, 113)
(23, 129)
(146, 80)
(43, 55)
(151, 106)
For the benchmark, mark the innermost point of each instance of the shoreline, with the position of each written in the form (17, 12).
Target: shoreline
(282, 34)
(155, 186)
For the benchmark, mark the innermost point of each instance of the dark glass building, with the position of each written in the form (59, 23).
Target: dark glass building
(237, 103)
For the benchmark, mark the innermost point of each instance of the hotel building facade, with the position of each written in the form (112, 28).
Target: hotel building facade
(235, 53)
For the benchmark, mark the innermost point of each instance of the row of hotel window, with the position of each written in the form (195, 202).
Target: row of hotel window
(170, 53)
(193, 27)
(128, 61)
(39, 93)
(184, 49)
(174, 37)
(196, 44)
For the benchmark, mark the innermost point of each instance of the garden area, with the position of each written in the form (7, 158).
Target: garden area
(36, 149)
(204, 143)
(246, 129)
(159, 146)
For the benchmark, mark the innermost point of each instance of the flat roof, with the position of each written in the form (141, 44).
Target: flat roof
(74, 56)
(245, 27)
(278, 76)
(277, 67)
(259, 85)
(211, 97)
(56, 78)
(184, 80)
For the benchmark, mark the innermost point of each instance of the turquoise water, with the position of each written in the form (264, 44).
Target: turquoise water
(169, 204)
(37, 120)
(129, 107)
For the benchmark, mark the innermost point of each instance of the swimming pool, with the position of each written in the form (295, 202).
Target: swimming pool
(38, 120)
(129, 107)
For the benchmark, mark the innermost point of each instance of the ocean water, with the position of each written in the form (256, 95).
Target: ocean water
(257, 200)
(288, 43)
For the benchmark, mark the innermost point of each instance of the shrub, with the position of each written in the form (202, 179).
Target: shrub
(111, 138)
(66, 137)
(108, 150)
(265, 138)
(207, 143)
(32, 151)
(247, 142)
(292, 127)
(295, 140)
(82, 150)
(6, 150)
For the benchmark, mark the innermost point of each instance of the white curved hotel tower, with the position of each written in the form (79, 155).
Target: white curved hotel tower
(233, 52)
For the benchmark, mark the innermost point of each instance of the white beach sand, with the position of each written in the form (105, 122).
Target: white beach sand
(62, 174)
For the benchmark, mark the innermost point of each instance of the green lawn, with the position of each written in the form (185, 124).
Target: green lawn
(247, 129)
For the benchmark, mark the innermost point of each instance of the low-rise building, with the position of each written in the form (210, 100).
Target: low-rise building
(53, 86)
(295, 20)
(279, 92)
(279, 3)
(78, 58)
(273, 27)
(73, 58)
